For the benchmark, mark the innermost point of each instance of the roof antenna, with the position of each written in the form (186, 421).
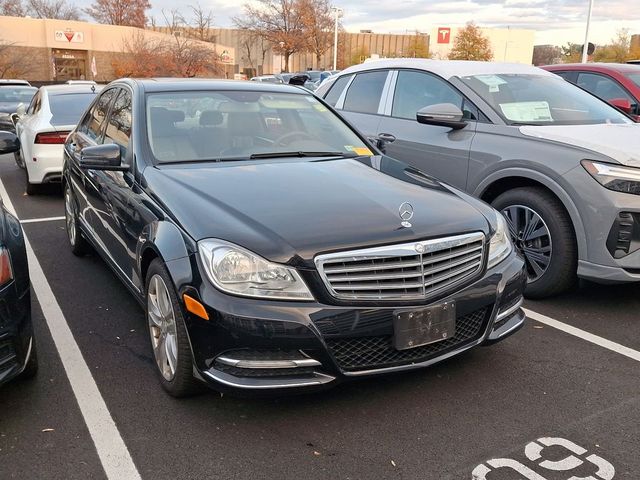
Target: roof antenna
(93, 89)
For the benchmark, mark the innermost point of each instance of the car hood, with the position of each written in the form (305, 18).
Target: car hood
(620, 142)
(289, 211)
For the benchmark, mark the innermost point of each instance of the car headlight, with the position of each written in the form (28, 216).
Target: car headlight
(237, 271)
(614, 177)
(500, 246)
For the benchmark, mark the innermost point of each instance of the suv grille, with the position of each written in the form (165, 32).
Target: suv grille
(410, 271)
(359, 353)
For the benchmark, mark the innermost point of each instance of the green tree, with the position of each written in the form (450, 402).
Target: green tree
(471, 44)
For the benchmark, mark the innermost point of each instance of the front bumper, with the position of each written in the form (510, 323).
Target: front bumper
(254, 345)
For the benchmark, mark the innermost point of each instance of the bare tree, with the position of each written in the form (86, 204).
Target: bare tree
(13, 62)
(59, 9)
(278, 22)
(202, 23)
(120, 12)
(12, 8)
(318, 25)
(546, 55)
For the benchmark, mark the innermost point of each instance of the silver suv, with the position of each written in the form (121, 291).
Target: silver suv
(562, 166)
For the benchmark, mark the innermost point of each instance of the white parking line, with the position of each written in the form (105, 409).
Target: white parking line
(38, 220)
(110, 446)
(589, 337)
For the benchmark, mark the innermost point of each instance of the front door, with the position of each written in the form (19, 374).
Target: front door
(437, 151)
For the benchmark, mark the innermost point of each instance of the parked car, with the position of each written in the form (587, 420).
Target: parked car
(11, 96)
(18, 357)
(560, 164)
(267, 79)
(271, 248)
(616, 83)
(10, 81)
(53, 112)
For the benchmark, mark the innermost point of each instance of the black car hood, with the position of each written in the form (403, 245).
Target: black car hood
(289, 211)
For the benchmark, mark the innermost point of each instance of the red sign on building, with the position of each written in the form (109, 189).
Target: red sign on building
(444, 34)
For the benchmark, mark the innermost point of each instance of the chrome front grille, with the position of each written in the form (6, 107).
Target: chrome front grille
(410, 271)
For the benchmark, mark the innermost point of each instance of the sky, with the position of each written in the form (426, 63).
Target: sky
(555, 21)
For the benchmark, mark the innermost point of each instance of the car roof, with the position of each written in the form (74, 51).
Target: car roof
(194, 84)
(449, 68)
(617, 67)
(74, 88)
(8, 81)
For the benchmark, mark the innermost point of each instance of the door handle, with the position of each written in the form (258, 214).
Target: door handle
(387, 137)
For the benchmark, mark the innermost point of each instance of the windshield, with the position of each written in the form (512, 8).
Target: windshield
(542, 100)
(635, 78)
(219, 125)
(66, 109)
(17, 94)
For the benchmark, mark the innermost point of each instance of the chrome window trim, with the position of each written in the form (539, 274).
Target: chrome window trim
(401, 250)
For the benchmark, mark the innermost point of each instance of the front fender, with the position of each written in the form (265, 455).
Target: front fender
(164, 240)
(557, 189)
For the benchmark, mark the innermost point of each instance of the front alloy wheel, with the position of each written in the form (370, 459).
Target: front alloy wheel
(542, 232)
(162, 327)
(168, 334)
(531, 237)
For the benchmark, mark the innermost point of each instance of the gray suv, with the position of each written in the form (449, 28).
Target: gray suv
(562, 166)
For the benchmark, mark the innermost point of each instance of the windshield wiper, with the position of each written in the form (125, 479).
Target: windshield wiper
(302, 154)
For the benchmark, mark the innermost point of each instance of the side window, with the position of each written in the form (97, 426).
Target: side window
(416, 90)
(119, 124)
(602, 87)
(34, 106)
(568, 76)
(99, 112)
(336, 89)
(365, 91)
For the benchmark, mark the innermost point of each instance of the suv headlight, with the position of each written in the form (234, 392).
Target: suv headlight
(614, 177)
(500, 246)
(237, 271)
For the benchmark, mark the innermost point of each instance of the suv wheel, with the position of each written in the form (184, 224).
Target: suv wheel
(168, 334)
(542, 232)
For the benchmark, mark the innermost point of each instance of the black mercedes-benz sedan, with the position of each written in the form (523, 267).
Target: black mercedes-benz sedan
(272, 246)
(17, 346)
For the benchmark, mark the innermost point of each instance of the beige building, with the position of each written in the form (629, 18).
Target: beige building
(60, 50)
(508, 44)
(254, 57)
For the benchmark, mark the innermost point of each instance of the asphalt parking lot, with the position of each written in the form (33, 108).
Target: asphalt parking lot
(544, 404)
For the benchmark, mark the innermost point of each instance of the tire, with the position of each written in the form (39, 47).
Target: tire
(78, 244)
(19, 158)
(552, 260)
(167, 334)
(30, 188)
(31, 368)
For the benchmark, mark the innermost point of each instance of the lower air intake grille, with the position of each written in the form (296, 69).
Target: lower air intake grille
(360, 353)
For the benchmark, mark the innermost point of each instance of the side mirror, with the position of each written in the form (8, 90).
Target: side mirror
(9, 142)
(21, 109)
(622, 103)
(442, 115)
(102, 157)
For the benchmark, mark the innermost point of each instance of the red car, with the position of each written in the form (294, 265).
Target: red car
(616, 83)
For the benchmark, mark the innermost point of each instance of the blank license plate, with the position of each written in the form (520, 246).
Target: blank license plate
(422, 327)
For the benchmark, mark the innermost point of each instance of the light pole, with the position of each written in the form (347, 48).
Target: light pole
(585, 45)
(281, 55)
(338, 13)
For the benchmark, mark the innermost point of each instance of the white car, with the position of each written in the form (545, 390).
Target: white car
(53, 112)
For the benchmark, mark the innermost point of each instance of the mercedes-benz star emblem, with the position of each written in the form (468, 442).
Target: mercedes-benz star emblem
(406, 214)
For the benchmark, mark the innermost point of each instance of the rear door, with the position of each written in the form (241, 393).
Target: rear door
(438, 151)
(361, 102)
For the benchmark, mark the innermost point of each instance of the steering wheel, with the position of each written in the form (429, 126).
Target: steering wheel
(281, 141)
